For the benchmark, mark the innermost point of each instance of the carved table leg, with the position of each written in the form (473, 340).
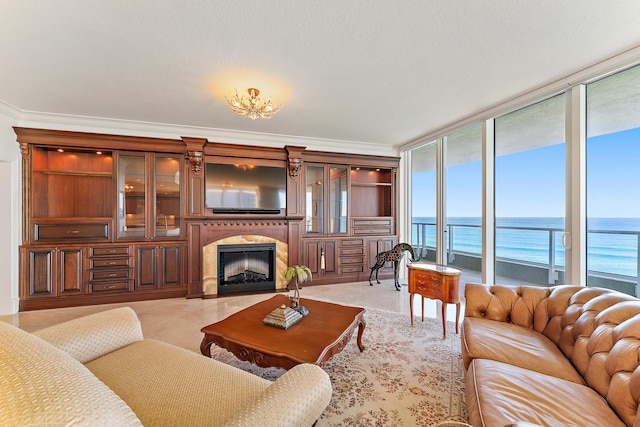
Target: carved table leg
(457, 316)
(205, 346)
(444, 320)
(361, 327)
(411, 307)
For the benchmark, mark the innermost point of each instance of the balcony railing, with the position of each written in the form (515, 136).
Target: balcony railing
(541, 264)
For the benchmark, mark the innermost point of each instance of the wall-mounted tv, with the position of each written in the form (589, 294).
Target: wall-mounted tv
(245, 188)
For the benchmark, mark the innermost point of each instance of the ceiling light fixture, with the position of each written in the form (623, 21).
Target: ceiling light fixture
(251, 106)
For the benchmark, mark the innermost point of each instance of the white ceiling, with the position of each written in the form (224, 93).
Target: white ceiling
(362, 71)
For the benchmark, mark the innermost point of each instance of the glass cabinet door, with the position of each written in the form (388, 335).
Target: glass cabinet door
(314, 195)
(338, 200)
(149, 196)
(167, 196)
(131, 195)
(331, 217)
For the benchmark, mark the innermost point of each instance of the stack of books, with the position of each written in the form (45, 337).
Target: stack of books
(283, 317)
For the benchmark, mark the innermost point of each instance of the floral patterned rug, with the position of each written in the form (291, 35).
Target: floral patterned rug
(406, 376)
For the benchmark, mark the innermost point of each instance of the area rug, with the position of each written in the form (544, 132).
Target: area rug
(406, 376)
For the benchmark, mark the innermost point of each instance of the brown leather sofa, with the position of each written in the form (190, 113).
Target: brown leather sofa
(558, 356)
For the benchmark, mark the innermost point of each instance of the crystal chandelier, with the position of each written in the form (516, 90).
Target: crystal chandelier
(251, 106)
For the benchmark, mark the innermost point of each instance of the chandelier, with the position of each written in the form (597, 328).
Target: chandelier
(251, 106)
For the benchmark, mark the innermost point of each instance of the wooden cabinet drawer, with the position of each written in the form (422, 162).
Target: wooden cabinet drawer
(372, 231)
(110, 251)
(111, 286)
(425, 283)
(109, 274)
(109, 262)
(427, 289)
(429, 280)
(352, 251)
(372, 226)
(45, 232)
(354, 268)
(352, 260)
(381, 222)
(353, 242)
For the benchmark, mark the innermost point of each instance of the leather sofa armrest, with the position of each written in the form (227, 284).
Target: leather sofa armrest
(297, 398)
(89, 337)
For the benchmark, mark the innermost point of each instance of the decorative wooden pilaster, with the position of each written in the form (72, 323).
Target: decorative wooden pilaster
(195, 177)
(25, 150)
(294, 155)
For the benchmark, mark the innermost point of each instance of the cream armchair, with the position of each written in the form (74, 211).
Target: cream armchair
(99, 370)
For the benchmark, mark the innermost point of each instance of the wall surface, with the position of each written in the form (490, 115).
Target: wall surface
(10, 214)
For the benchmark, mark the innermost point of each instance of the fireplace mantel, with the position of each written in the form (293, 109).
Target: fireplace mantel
(216, 230)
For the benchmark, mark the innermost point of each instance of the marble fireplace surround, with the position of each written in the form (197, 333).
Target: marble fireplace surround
(210, 259)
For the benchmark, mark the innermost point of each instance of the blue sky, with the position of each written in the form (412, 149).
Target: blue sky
(532, 183)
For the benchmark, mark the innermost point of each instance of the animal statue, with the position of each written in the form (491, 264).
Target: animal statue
(394, 255)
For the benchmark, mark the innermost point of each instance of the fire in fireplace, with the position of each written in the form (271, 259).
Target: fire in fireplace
(246, 268)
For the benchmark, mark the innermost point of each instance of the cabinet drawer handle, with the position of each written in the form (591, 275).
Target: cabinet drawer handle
(111, 251)
(73, 231)
(112, 275)
(111, 286)
(112, 262)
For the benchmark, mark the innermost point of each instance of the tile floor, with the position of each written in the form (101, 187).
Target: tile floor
(178, 321)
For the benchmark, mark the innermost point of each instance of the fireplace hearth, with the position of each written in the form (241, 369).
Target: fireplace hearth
(246, 267)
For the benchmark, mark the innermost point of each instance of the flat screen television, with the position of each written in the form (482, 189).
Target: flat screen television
(245, 189)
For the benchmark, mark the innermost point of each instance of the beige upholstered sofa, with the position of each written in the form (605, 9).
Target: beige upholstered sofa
(98, 370)
(559, 356)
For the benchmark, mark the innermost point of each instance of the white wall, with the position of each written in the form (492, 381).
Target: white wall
(10, 213)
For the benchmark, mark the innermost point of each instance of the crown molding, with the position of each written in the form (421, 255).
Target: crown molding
(10, 111)
(56, 121)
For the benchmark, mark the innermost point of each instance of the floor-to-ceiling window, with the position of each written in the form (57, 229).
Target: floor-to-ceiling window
(423, 201)
(463, 198)
(613, 176)
(460, 201)
(538, 180)
(530, 193)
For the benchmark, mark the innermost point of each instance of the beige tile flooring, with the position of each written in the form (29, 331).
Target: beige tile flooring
(178, 321)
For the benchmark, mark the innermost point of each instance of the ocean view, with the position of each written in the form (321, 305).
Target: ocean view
(612, 243)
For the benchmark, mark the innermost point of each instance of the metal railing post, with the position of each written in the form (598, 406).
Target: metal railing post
(638, 265)
(450, 255)
(552, 257)
(424, 239)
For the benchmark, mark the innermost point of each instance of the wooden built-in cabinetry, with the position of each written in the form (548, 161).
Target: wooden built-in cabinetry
(349, 215)
(109, 218)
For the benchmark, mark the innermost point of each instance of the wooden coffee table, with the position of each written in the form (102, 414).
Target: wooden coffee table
(316, 338)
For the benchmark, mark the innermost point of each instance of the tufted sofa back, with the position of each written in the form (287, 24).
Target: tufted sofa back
(598, 330)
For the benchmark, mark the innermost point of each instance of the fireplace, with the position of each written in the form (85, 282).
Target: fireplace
(246, 267)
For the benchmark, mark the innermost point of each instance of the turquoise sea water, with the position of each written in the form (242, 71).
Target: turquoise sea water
(612, 243)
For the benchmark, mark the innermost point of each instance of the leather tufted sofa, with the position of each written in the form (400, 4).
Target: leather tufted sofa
(558, 356)
(98, 370)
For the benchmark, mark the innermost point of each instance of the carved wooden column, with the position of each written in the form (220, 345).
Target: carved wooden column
(295, 186)
(295, 200)
(25, 149)
(195, 208)
(195, 176)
